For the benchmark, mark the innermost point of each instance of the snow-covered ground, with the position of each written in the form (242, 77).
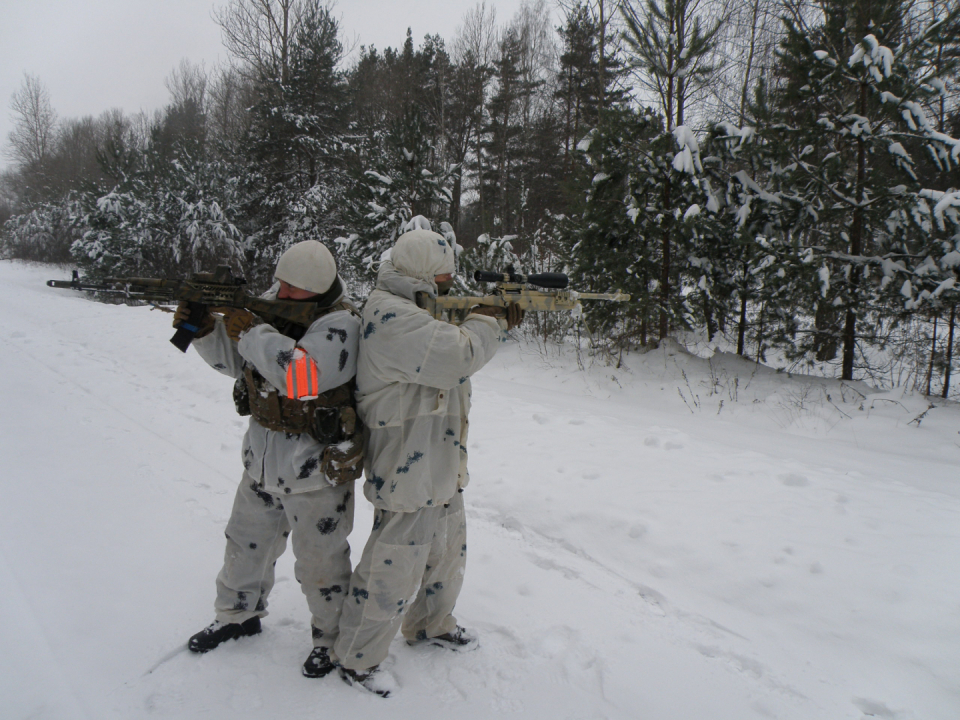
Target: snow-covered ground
(676, 539)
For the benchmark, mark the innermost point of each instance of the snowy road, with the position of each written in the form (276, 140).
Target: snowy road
(633, 554)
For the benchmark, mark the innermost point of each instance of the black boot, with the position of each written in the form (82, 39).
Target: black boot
(459, 640)
(371, 680)
(218, 632)
(318, 664)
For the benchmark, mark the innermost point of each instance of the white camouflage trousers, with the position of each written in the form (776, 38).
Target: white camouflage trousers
(318, 523)
(410, 575)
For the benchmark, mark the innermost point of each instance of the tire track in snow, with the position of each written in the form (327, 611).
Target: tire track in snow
(29, 654)
(126, 416)
(684, 629)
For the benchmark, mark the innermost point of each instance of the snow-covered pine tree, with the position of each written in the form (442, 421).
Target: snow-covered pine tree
(45, 234)
(841, 122)
(396, 177)
(648, 212)
(670, 44)
(611, 244)
(170, 218)
(743, 254)
(933, 293)
(489, 253)
(290, 165)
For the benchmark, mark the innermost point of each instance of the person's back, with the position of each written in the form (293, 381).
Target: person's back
(413, 394)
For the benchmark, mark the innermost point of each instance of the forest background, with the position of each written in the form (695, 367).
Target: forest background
(780, 175)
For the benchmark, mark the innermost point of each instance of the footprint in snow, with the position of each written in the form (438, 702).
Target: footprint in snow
(668, 445)
(541, 418)
(874, 708)
(794, 480)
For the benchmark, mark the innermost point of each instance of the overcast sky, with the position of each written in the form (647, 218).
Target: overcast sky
(93, 55)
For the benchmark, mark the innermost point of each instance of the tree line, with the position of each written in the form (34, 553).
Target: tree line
(783, 172)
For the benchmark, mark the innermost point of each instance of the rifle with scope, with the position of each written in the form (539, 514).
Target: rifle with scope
(201, 291)
(513, 287)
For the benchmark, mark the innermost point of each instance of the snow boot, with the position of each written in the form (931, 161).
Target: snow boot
(460, 640)
(218, 632)
(372, 680)
(318, 663)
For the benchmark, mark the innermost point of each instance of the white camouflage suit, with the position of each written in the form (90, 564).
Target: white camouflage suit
(283, 492)
(413, 393)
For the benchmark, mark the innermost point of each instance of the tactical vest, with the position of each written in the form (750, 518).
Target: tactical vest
(330, 418)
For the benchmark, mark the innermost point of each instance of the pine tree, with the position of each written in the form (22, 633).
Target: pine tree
(395, 179)
(670, 47)
(293, 176)
(744, 257)
(611, 243)
(842, 120)
(577, 81)
(503, 136)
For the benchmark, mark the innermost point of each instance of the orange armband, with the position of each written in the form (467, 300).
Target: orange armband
(302, 376)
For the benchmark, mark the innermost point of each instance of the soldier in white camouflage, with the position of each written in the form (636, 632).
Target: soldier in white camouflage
(413, 394)
(301, 452)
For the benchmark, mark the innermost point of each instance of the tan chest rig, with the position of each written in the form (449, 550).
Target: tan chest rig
(330, 418)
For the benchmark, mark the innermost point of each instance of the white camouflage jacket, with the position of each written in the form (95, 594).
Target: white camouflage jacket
(285, 463)
(413, 393)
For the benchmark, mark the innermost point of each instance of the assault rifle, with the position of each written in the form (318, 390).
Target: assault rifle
(511, 287)
(201, 291)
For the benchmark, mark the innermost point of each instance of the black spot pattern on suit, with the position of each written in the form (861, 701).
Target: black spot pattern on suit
(327, 525)
(267, 498)
(340, 333)
(328, 593)
(308, 468)
(342, 507)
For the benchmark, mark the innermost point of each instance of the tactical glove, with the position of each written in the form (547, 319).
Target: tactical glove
(182, 314)
(488, 310)
(238, 321)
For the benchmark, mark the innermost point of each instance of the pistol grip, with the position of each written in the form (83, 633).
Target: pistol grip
(187, 331)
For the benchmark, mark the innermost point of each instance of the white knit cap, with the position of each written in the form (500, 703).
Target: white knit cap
(423, 254)
(307, 265)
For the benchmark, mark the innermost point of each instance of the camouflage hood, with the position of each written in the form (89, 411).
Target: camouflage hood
(415, 260)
